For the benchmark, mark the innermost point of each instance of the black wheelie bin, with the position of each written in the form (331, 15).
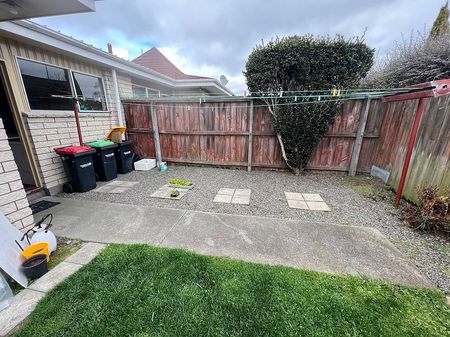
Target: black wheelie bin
(104, 160)
(79, 166)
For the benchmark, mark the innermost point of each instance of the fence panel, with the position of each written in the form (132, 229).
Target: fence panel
(139, 128)
(210, 133)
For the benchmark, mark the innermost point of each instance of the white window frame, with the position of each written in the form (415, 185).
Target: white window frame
(71, 81)
(147, 89)
(103, 86)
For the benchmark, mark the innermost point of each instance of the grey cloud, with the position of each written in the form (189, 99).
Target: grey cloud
(223, 33)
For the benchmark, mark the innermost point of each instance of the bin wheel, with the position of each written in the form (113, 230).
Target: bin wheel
(97, 177)
(67, 188)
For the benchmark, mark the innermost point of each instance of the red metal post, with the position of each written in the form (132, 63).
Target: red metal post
(412, 140)
(77, 120)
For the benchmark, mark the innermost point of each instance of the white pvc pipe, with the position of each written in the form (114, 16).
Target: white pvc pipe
(117, 96)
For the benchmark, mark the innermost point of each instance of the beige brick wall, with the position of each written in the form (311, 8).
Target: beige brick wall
(13, 199)
(50, 130)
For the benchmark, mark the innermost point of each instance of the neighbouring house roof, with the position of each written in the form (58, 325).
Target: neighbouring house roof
(31, 31)
(155, 60)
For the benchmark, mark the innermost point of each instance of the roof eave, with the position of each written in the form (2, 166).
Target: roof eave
(204, 83)
(43, 35)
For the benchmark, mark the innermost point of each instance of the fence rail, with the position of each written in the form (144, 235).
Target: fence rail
(235, 133)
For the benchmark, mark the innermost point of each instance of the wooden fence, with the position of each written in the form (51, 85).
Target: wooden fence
(240, 134)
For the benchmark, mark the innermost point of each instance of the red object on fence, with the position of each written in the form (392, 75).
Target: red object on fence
(421, 92)
(77, 120)
(412, 140)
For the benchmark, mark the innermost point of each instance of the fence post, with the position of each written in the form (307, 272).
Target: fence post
(359, 139)
(250, 137)
(155, 133)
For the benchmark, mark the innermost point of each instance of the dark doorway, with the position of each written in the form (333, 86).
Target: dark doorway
(14, 139)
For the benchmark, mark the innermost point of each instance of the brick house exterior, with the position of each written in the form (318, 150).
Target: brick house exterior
(40, 131)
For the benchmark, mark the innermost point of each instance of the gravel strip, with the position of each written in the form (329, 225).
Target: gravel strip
(430, 252)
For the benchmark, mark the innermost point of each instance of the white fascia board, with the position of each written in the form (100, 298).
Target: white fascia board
(203, 83)
(89, 4)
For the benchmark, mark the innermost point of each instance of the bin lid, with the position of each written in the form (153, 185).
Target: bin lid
(100, 143)
(73, 149)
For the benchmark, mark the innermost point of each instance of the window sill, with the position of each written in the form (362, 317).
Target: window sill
(64, 113)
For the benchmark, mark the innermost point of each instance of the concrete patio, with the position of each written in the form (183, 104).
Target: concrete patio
(316, 246)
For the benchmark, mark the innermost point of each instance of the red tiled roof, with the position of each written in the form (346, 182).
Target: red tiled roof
(155, 60)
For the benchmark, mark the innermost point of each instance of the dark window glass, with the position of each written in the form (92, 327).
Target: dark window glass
(90, 93)
(47, 87)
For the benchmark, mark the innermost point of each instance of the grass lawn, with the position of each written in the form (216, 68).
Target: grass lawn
(138, 290)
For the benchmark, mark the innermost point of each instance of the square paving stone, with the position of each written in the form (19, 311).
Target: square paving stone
(117, 190)
(224, 198)
(318, 206)
(240, 199)
(164, 193)
(129, 183)
(104, 189)
(298, 204)
(312, 197)
(293, 196)
(242, 192)
(115, 183)
(226, 191)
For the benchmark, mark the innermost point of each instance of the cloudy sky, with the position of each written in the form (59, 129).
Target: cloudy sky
(213, 37)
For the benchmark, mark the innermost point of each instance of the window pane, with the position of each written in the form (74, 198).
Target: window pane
(47, 87)
(89, 92)
(139, 92)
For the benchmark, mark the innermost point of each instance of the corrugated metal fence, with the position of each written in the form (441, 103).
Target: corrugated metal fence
(238, 133)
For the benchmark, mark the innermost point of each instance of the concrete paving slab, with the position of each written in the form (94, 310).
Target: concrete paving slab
(118, 190)
(240, 199)
(104, 189)
(129, 183)
(312, 197)
(298, 204)
(114, 183)
(227, 191)
(54, 277)
(86, 253)
(111, 223)
(293, 196)
(242, 192)
(316, 246)
(164, 192)
(318, 206)
(320, 247)
(224, 198)
(21, 306)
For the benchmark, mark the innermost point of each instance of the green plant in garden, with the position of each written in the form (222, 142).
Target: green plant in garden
(300, 63)
(432, 212)
(182, 182)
